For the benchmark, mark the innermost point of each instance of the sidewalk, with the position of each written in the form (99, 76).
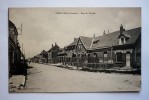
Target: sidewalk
(125, 69)
(65, 66)
(16, 82)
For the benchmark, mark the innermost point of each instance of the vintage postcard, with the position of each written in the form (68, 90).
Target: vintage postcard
(74, 49)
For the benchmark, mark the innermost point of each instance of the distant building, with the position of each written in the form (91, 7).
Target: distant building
(61, 54)
(71, 48)
(36, 58)
(121, 48)
(53, 54)
(43, 58)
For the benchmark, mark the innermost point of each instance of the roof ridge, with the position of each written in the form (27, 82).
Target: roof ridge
(92, 42)
(117, 31)
(106, 34)
(133, 28)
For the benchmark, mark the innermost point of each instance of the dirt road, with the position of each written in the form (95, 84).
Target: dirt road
(48, 78)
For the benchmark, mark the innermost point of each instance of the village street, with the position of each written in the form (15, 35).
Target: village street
(48, 78)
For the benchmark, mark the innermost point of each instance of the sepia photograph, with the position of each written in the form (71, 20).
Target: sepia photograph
(74, 49)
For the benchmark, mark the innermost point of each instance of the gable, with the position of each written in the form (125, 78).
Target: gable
(80, 46)
(131, 36)
(56, 47)
(73, 43)
(112, 39)
(86, 41)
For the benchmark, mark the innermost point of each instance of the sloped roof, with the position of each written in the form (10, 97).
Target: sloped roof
(86, 41)
(53, 48)
(38, 55)
(61, 49)
(133, 35)
(73, 43)
(63, 52)
(110, 39)
(11, 24)
(105, 40)
(43, 52)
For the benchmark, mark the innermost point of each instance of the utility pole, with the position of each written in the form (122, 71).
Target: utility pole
(21, 29)
(22, 47)
(24, 54)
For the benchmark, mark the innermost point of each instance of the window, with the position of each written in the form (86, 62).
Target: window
(119, 57)
(122, 40)
(80, 46)
(95, 55)
(105, 55)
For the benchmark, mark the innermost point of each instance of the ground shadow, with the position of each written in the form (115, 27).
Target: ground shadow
(29, 67)
(33, 73)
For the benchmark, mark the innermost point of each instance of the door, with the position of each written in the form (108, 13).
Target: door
(119, 57)
(128, 59)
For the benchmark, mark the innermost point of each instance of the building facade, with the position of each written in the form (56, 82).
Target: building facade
(15, 54)
(121, 49)
(53, 53)
(43, 58)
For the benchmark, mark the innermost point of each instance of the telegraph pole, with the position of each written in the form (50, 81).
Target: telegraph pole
(24, 54)
(21, 29)
(22, 47)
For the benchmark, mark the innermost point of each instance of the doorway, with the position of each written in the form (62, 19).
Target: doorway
(127, 59)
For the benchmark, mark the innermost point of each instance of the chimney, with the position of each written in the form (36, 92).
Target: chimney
(108, 31)
(55, 43)
(52, 45)
(121, 29)
(93, 35)
(104, 32)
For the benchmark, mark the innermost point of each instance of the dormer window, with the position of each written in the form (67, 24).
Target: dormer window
(122, 40)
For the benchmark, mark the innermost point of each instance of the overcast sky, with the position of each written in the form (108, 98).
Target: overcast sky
(42, 27)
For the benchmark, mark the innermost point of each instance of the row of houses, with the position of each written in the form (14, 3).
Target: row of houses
(16, 57)
(50, 56)
(119, 48)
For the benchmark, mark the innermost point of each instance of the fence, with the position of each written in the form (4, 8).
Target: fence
(92, 63)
